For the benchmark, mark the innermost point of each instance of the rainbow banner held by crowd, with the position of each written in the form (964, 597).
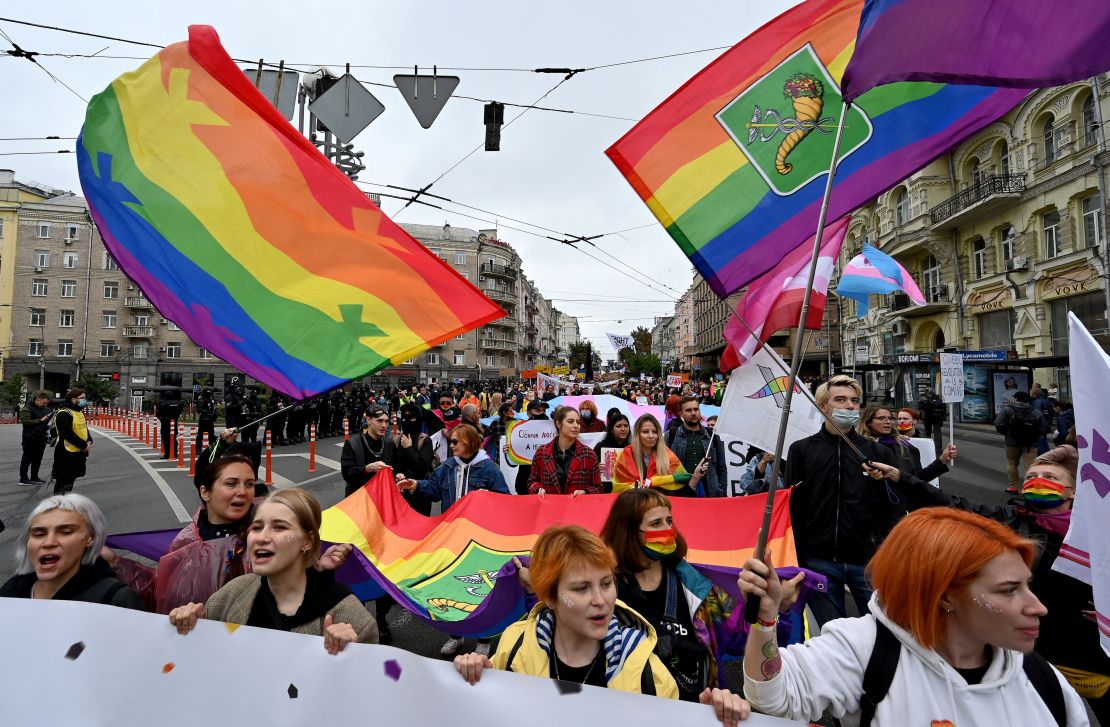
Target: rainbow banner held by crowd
(733, 163)
(241, 232)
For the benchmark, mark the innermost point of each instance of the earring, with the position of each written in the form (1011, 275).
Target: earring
(304, 549)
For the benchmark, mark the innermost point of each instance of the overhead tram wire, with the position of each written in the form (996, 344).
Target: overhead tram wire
(17, 52)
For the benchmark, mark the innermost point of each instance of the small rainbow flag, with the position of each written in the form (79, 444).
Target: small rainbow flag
(733, 164)
(455, 570)
(777, 385)
(241, 232)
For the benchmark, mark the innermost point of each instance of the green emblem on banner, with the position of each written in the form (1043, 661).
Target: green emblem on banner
(785, 123)
(456, 590)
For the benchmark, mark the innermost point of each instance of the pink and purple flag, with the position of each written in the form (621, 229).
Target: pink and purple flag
(774, 301)
(1002, 43)
(874, 272)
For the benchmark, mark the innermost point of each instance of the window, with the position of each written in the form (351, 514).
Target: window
(38, 317)
(1092, 221)
(204, 353)
(1, 227)
(111, 289)
(138, 350)
(38, 287)
(1004, 161)
(173, 349)
(107, 349)
(108, 319)
(42, 258)
(976, 173)
(69, 288)
(65, 318)
(44, 230)
(996, 330)
(459, 358)
(930, 273)
(34, 347)
(433, 359)
(505, 359)
(173, 326)
(1090, 126)
(108, 263)
(866, 238)
(1051, 222)
(73, 232)
(491, 360)
(1048, 134)
(902, 208)
(1009, 235)
(142, 319)
(979, 257)
(69, 259)
(65, 347)
(460, 258)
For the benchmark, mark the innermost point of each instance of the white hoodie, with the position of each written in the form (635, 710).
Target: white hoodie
(826, 672)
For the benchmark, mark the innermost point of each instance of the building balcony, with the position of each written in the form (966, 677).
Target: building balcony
(502, 271)
(938, 298)
(529, 350)
(138, 331)
(504, 322)
(137, 301)
(501, 296)
(980, 198)
(530, 329)
(501, 344)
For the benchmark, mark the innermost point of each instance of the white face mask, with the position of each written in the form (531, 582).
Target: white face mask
(845, 418)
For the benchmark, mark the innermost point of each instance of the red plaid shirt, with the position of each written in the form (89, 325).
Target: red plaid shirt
(583, 472)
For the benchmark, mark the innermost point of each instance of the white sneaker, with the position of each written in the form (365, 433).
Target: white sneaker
(452, 645)
(482, 649)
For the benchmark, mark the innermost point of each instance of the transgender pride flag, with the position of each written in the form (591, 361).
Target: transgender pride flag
(874, 272)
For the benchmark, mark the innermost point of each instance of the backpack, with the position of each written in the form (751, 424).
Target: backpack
(52, 430)
(1025, 426)
(882, 664)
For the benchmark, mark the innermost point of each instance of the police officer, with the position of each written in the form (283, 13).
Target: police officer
(206, 418)
(168, 412)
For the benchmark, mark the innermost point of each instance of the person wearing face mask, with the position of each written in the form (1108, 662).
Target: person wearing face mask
(58, 556)
(879, 423)
(286, 589)
(367, 452)
(414, 454)
(692, 617)
(580, 632)
(74, 442)
(842, 505)
(591, 423)
(447, 416)
(949, 639)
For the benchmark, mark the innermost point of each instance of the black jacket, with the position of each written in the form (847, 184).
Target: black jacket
(31, 419)
(837, 511)
(356, 455)
(96, 583)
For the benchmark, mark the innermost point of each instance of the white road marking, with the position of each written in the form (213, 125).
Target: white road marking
(171, 499)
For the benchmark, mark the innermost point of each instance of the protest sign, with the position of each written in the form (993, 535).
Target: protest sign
(674, 381)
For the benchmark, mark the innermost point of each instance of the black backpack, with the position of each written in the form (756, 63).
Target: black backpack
(1025, 426)
(882, 664)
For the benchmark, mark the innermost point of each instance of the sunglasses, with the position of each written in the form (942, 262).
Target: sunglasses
(454, 441)
(375, 413)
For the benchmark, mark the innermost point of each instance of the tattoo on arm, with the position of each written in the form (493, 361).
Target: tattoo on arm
(772, 660)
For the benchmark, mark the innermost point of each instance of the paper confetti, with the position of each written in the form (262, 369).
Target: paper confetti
(566, 688)
(75, 651)
(168, 667)
(393, 670)
(232, 628)
(292, 691)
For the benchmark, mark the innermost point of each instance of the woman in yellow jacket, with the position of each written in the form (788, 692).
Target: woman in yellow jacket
(647, 462)
(579, 632)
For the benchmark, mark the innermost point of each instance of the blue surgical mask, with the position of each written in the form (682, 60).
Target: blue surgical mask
(82, 402)
(845, 418)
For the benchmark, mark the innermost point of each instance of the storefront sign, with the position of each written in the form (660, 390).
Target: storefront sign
(138, 379)
(908, 358)
(985, 355)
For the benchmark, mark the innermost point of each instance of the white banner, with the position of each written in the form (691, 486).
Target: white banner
(735, 451)
(754, 400)
(73, 663)
(928, 450)
(1085, 553)
(952, 377)
(618, 341)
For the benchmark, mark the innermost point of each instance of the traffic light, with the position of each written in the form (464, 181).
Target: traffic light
(495, 117)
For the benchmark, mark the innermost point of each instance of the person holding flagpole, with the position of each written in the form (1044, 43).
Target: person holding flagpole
(647, 462)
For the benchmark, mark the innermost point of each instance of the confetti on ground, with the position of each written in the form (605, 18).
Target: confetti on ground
(393, 670)
(566, 688)
(232, 628)
(75, 651)
(292, 691)
(168, 667)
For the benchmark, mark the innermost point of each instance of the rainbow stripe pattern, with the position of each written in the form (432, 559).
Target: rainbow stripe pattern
(777, 385)
(455, 570)
(238, 229)
(1043, 493)
(704, 161)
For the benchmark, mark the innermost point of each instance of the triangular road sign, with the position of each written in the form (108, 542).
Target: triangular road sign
(426, 95)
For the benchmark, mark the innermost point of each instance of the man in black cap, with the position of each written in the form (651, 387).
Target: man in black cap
(537, 409)
(368, 451)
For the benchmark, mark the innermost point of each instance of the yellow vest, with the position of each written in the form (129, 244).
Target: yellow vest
(80, 428)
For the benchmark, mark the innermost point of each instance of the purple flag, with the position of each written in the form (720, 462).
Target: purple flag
(1012, 43)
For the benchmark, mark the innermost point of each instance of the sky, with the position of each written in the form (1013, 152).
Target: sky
(551, 171)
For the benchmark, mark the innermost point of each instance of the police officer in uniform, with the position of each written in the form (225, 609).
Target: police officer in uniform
(206, 418)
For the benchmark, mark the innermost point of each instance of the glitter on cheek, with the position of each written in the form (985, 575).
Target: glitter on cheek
(986, 604)
(566, 600)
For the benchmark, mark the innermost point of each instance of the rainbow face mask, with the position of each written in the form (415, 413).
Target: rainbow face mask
(905, 428)
(658, 544)
(1043, 494)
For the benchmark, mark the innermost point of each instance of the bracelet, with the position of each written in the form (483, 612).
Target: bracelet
(764, 625)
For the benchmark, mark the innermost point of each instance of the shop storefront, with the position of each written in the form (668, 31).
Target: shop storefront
(1073, 291)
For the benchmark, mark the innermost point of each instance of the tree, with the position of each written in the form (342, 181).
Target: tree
(643, 363)
(97, 390)
(642, 337)
(11, 392)
(578, 353)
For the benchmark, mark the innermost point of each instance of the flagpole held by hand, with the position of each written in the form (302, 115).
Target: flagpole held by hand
(751, 609)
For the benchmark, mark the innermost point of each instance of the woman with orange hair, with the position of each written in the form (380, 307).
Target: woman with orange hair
(579, 631)
(949, 639)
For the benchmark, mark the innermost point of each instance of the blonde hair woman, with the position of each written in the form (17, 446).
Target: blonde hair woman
(647, 462)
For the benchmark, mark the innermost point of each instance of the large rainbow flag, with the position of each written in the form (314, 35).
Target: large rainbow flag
(455, 570)
(241, 232)
(733, 163)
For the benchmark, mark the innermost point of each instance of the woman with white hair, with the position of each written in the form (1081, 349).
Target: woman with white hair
(58, 556)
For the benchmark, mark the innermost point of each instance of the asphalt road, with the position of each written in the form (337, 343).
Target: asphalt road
(139, 491)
